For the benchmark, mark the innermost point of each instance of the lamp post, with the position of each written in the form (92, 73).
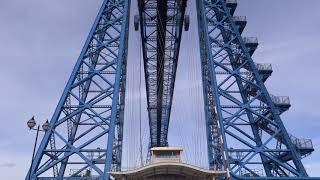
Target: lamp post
(31, 125)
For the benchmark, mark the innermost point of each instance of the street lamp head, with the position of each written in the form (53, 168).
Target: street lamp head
(31, 123)
(45, 126)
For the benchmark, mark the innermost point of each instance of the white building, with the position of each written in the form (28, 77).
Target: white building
(166, 164)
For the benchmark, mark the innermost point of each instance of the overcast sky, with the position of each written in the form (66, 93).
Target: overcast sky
(40, 41)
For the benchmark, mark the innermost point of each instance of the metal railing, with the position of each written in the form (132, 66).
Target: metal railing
(280, 100)
(301, 143)
(239, 18)
(70, 178)
(254, 173)
(264, 66)
(250, 40)
(231, 1)
(131, 168)
(236, 156)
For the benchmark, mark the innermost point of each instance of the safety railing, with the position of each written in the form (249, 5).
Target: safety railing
(70, 178)
(253, 173)
(132, 168)
(280, 100)
(301, 143)
(236, 156)
(250, 40)
(264, 66)
(240, 18)
(231, 1)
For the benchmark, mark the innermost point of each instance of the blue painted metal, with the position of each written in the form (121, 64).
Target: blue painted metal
(161, 23)
(89, 116)
(245, 133)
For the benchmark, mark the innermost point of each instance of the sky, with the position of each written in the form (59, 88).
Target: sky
(40, 41)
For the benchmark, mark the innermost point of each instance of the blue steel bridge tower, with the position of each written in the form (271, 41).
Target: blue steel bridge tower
(245, 134)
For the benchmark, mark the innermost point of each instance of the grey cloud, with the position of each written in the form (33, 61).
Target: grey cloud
(7, 164)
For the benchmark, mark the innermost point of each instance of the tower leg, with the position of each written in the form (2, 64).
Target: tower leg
(90, 111)
(229, 75)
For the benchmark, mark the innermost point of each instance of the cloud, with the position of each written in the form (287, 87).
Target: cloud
(13, 166)
(8, 164)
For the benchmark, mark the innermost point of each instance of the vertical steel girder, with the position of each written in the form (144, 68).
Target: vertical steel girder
(214, 141)
(161, 23)
(86, 129)
(245, 133)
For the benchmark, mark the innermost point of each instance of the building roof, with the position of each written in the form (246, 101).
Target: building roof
(168, 168)
(166, 149)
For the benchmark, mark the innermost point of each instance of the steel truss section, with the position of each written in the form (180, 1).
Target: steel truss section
(161, 24)
(245, 133)
(87, 125)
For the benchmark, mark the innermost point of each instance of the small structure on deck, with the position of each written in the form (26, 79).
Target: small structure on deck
(166, 164)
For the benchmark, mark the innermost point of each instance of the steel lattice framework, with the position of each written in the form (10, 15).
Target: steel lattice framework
(90, 111)
(245, 134)
(161, 29)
